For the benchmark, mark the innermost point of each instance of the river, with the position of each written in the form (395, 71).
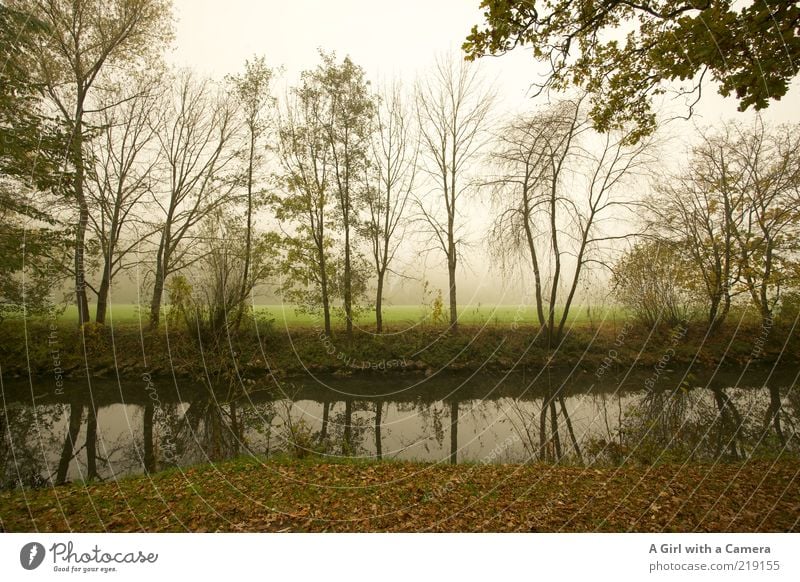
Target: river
(641, 416)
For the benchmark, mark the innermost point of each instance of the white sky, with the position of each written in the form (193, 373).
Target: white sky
(385, 37)
(388, 39)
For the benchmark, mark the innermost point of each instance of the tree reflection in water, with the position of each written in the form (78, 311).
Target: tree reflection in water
(43, 444)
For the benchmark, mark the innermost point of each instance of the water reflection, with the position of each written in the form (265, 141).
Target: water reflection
(107, 432)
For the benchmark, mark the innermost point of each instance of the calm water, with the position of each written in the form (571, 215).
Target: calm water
(446, 418)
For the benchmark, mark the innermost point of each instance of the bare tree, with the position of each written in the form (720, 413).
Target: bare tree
(394, 165)
(85, 39)
(558, 184)
(121, 178)
(769, 161)
(221, 282)
(701, 210)
(195, 143)
(452, 108)
(734, 208)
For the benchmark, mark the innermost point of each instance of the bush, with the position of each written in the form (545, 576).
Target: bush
(653, 281)
(789, 308)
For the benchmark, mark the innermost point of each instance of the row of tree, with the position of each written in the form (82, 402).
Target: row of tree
(110, 160)
(722, 231)
(113, 155)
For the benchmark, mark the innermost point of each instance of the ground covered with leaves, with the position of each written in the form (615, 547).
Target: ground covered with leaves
(313, 495)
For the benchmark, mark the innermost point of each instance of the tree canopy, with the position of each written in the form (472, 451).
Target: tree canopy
(627, 51)
(31, 151)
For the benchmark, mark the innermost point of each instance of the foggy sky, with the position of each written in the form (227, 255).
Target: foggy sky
(398, 40)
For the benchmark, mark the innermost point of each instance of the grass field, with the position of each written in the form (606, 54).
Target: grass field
(393, 315)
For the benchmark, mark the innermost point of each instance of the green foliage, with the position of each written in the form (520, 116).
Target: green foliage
(179, 296)
(789, 308)
(324, 145)
(31, 144)
(26, 431)
(749, 49)
(32, 264)
(437, 308)
(32, 243)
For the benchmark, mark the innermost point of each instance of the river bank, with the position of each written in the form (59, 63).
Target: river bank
(62, 351)
(316, 495)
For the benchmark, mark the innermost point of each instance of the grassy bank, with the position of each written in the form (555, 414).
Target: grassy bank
(313, 495)
(285, 351)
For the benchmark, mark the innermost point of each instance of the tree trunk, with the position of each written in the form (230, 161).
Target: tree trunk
(451, 273)
(102, 295)
(347, 444)
(379, 303)
(543, 452)
(535, 262)
(554, 429)
(326, 411)
(83, 216)
(67, 451)
(730, 421)
(556, 272)
(570, 430)
(713, 310)
(158, 291)
(378, 420)
(239, 308)
(348, 290)
(80, 275)
(453, 432)
(91, 443)
(326, 305)
(775, 408)
(147, 429)
(108, 265)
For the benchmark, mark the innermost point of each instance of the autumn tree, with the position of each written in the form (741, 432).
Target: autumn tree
(85, 40)
(625, 53)
(325, 138)
(733, 207)
(345, 114)
(558, 185)
(768, 159)
(303, 200)
(652, 280)
(252, 89)
(452, 111)
(32, 144)
(700, 208)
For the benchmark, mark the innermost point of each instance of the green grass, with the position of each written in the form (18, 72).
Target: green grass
(393, 315)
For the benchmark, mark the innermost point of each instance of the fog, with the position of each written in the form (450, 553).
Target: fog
(400, 41)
